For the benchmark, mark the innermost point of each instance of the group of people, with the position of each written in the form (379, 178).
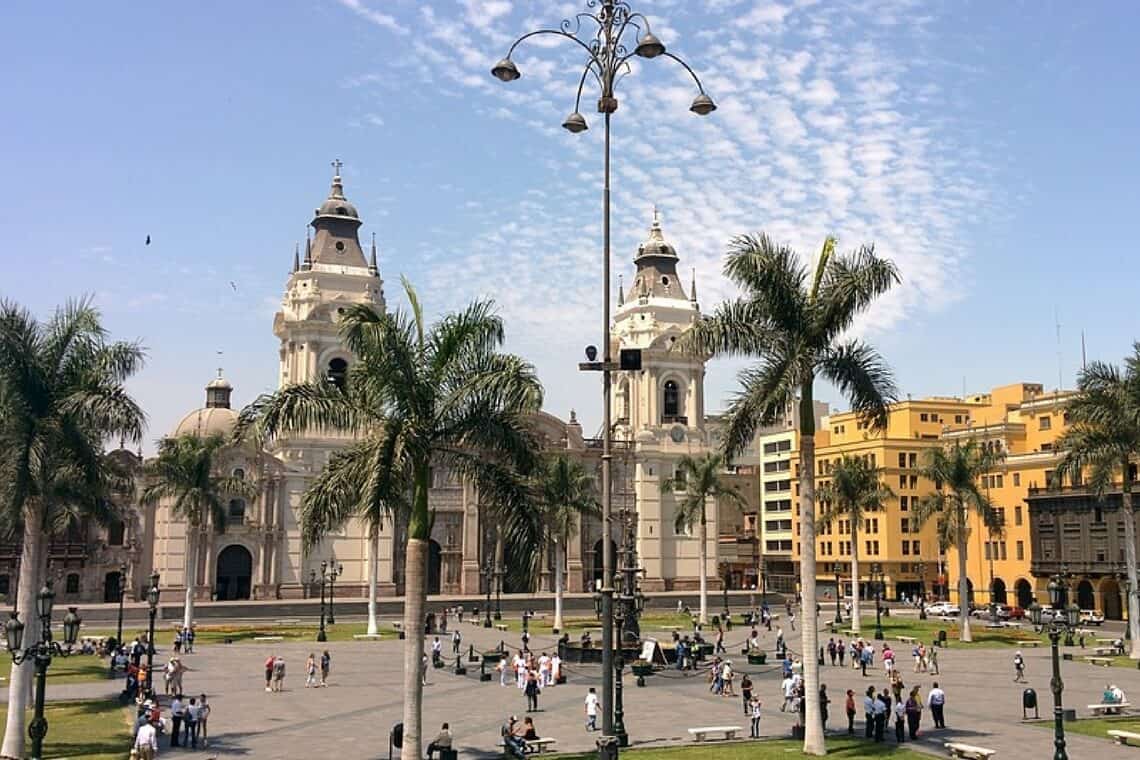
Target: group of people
(189, 725)
(184, 640)
(311, 664)
(516, 734)
(532, 674)
(889, 703)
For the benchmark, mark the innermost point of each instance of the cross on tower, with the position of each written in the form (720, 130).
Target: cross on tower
(336, 164)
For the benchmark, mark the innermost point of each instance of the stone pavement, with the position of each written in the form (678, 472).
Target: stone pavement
(352, 717)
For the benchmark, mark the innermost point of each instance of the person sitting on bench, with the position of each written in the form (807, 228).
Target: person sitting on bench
(513, 744)
(529, 734)
(441, 742)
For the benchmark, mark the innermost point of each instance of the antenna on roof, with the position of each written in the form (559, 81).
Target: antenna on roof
(1084, 360)
(1057, 321)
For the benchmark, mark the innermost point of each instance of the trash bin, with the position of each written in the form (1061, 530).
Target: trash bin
(608, 748)
(1028, 702)
(941, 638)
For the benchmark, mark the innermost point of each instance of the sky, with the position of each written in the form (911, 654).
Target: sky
(989, 149)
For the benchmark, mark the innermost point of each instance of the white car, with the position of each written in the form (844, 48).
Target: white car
(943, 609)
(1091, 617)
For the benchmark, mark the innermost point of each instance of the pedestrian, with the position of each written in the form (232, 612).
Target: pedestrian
(916, 653)
(177, 641)
(865, 659)
(188, 640)
(746, 692)
(933, 660)
(850, 712)
(269, 672)
(592, 710)
(311, 671)
(326, 664)
(436, 650)
(881, 709)
(177, 713)
(788, 689)
(191, 725)
(456, 640)
(840, 650)
(824, 701)
(532, 691)
(1018, 667)
(279, 673)
(888, 659)
(441, 742)
(754, 711)
(900, 722)
(791, 619)
(146, 741)
(423, 670)
(937, 701)
(831, 650)
(913, 712)
(203, 719)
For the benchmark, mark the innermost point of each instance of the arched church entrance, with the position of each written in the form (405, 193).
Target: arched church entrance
(435, 567)
(1024, 593)
(1113, 604)
(999, 591)
(1086, 600)
(235, 572)
(112, 585)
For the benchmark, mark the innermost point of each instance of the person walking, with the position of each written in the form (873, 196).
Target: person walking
(1018, 667)
(456, 641)
(869, 712)
(191, 724)
(177, 713)
(900, 722)
(788, 689)
(831, 650)
(850, 712)
(279, 673)
(913, 713)
(840, 650)
(269, 672)
(754, 711)
(326, 665)
(532, 691)
(146, 741)
(746, 693)
(311, 671)
(203, 719)
(719, 648)
(937, 701)
(824, 701)
(932, 660)
(592, 710)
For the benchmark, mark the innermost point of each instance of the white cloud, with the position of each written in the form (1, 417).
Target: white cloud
(376, 17)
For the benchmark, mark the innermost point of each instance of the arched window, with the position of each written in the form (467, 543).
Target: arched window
(115, 533)
(238, 473)
(672, 405)
(236, 513)
(338, 372)
(72, 586)
(5, 585)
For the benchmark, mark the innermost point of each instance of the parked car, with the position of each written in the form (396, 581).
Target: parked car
(1004, 612)
(1091, 617)
(943, 608)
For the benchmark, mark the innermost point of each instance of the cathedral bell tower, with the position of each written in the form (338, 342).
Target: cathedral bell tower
(660, 409)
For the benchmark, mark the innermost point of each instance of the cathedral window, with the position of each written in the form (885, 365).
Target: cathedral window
(72, 586)
(115, 533)
(236, 513)
(338, 372)
(672, 405)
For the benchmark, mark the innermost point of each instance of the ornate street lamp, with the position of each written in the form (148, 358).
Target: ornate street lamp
(41, 653)
(607, 59)
(122, 593)
(488, 574)
(1122, 582)
(152, 603)
(321, 635)
(877, 581)
(837, 567)
(334, 571)
(921, 590)
(1064, 618)
(499, 591)
(726, 614)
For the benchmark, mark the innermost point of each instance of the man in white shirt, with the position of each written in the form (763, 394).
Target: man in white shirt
(937, 701)
(146, 742)
(592, 710)
(177, 713)
(788, 687)
(869, 712)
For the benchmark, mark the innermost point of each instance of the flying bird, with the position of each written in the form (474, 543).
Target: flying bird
(232, 285)
(148, 239)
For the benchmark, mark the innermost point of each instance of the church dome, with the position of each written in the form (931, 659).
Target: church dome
(655, 245)
(336, 204)
(206, 422)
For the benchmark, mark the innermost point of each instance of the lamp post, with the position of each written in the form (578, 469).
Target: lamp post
(1122, 582)
(838, 594)
(488, 575)
(627, 613)
(41, 653)
(321, 635)
(993, 602)
(607, 58)
(334, 571)
(1067, 585)
(152, 603)
(921, 590)
(498, 591)
(726, 613)
(1063, 619)
(877, 580)
(122, 593)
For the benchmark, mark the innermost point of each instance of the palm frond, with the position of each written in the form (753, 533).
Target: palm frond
(864, 379)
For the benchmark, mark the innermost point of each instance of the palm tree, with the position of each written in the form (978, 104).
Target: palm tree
(350, 487)
(956, 472)
(700, 478)
(794, 321)
(421, 395)
(61, 394)
(567, 494)
(1100, 444)
(855, 489)
(185, 472)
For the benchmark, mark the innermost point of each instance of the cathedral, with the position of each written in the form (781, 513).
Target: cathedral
(658, 413)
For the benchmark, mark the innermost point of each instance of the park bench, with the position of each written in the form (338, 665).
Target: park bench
(1104, 651)
(367, 636)
(969, 751)
(501, 626)
(268, 638)
(1122, 737)
(288, 621)
(1028, 642)
(537, 746)
(1105, 661)
(848, 632)
(1104, 707)
(729, 732)
(908, 639)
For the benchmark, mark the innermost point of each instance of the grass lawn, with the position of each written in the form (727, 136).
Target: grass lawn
(80, 668)
(577, 624)
(1096, 726)
(217, 634)
(927, 631)
(849, 749)
(94, 730)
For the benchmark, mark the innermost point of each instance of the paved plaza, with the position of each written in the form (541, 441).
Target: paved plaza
(352, 717)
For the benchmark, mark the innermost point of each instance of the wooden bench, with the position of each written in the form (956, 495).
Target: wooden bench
(1122, 737)
(1027, 642)
(1104, 707)
(969, 751)
(501, 626)
(729, 732)
(538, 746)
(1105, 661)
(1104, 651)
(268, 638)
(908, 639)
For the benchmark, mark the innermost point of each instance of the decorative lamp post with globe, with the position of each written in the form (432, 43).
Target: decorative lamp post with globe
(877, 581)
(837, 567)
(618, 35)
(1064, 619)
(921, 590)
(152, 603)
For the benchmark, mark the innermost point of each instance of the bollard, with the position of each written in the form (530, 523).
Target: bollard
(1028, 702)
(459, 669)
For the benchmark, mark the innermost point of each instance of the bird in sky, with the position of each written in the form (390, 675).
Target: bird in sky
(232, 285)
(148, 239)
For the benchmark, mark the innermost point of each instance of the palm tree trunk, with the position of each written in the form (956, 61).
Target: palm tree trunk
(701, 554)
(1130, 560)
(963, 590)
(191, 575)
(855, 620)
(559, 555)
(415, 577)
(20, 683)
(814, 743)
(373, 552)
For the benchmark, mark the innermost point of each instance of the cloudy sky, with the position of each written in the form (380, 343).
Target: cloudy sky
(988, 148)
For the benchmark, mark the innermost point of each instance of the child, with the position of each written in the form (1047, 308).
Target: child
(754, 706)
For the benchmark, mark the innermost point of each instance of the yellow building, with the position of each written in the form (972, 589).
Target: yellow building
(1024, 422)
(908, 555)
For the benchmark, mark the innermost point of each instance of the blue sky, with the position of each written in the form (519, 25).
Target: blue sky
(989, 148)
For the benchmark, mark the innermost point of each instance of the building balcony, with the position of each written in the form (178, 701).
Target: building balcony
(1077, 490)
(678, 419)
